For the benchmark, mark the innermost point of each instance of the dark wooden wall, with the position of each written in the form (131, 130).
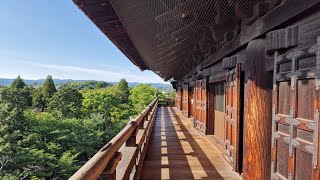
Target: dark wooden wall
(268, 131)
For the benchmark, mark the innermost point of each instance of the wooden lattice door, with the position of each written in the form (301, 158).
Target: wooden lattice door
(232, 120)
(178, 98)
(201, 105)
(185, 100)
(191, 102)
(295, 114)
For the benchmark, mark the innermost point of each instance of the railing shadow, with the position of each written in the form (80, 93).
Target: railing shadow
(173, 153)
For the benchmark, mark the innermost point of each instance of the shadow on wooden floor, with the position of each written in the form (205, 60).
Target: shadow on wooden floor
(178, 152)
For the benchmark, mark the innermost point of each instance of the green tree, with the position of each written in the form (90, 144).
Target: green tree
(18, 83)
(99, 101)
(38, 100)
(141, 96)
(100, 84)
(13, 126)
(48, 88)
(67, 102)
(124, 91)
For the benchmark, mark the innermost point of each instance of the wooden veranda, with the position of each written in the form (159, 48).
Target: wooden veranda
(246, 73)
(177, 151)
(159, 144)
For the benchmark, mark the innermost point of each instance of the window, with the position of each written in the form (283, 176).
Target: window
(219, 101)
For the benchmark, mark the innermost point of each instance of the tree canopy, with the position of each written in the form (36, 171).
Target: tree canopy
(18, 83)
(48, 87)
(48, 134)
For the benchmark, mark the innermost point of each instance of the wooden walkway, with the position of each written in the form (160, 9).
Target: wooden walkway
(177, 151)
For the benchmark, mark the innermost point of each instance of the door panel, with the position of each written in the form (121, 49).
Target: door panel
(219, 124)
(219, 108)
(295, 122)
(178, 99)
(185, 100)
(191, 102)
(211, 111)
(232, 118)
(201, 105)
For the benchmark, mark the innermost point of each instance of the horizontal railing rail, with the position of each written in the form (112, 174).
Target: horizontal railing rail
(167, 102)
(122, 157)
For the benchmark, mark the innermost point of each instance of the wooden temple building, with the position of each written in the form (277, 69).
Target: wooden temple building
(247, 80)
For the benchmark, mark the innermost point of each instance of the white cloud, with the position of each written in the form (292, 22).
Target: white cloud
(67, 71)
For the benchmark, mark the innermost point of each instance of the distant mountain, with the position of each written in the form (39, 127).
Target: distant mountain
(39, 82)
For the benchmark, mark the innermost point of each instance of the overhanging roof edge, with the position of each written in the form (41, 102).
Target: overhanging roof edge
(130, 52)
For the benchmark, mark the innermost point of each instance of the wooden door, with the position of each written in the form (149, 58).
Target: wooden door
(198, 104)
(211, 109)
(185, 101)
(295, 114)
(201, 105)
(191, 102)
(203, 109)
(219, 114)
(232, 118)
(178, 98)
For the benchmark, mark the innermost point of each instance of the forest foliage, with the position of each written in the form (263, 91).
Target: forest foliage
(47, 133)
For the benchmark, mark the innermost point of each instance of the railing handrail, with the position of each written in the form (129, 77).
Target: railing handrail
(97, 164)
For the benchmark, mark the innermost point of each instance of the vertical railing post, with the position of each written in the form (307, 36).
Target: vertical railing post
(132, 140)
(110, 171)
(141, 125)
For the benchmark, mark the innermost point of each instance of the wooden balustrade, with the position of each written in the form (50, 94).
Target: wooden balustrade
(124, 152)
(167, 102)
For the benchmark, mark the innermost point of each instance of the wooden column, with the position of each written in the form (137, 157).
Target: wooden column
(257, 113)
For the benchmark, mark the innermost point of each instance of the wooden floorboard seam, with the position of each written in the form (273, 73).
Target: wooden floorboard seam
(177, 151)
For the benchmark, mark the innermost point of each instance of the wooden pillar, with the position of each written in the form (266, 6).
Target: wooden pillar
(257, 114)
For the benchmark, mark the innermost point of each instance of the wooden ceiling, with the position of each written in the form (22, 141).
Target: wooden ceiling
(171, 37)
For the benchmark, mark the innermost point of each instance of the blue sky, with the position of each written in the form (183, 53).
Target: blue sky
(41, 37)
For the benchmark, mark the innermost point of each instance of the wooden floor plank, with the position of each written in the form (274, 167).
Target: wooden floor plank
(177, 151)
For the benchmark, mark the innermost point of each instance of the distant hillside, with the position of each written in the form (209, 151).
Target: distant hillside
(60, 82)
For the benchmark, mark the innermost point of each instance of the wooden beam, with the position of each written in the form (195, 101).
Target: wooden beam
(279, 16)
(257, 116)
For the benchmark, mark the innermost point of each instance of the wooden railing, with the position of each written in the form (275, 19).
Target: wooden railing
(167, 102)
(122, 157)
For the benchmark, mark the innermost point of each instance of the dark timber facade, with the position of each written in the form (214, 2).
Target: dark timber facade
(246, 73)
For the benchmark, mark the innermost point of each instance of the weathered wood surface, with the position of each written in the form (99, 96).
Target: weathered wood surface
(257, 114)
(177, 151)
(233, 119)
(280, 15)
(132, 140)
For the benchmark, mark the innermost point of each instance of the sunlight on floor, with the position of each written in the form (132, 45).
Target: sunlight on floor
(196, 167)
(182, 153)
(165, 173)
(186, 147)
(164, 160)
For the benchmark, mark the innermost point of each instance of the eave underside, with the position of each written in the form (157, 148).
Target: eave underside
(174, 38)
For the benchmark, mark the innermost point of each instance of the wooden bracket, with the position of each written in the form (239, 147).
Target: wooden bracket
(282, 39)
(207, 72)
(229, 62)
